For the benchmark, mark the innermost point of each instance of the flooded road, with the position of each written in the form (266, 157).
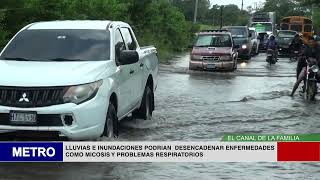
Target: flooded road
(195, 105)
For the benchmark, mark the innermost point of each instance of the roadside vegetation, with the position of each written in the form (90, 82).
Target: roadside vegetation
(167, 24)
(156, 22)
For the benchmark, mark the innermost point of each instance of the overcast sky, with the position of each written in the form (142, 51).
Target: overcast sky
(246, 3)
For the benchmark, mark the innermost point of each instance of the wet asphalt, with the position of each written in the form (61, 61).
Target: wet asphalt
(199, 105)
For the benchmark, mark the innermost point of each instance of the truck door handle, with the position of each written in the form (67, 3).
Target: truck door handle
(141, 65)
(131, 71)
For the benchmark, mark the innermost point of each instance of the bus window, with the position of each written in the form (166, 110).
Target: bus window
(284, 27)
(307, 28)
(296, 27)
(286, 20)
(307, 21)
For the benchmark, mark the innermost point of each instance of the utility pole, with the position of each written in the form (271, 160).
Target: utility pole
(312, 12)
(221, 13)
(195, 12)
(242, 6)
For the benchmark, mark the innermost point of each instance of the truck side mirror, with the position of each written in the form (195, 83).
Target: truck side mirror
(128, 57)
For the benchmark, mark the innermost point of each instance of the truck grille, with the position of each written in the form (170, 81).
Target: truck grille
(26, 97)
(211, 58)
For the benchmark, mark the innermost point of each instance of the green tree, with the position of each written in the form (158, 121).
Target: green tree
(284, 8)
(154, 21)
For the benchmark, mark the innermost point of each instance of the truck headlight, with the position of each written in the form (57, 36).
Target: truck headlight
(81, 93)
(225, 58)
(196, 57)
(244, 46)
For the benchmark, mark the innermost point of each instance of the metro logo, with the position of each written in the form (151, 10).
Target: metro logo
(33, 152)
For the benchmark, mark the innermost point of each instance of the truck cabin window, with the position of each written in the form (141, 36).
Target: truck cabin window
(127, 36)
(59, 45)
(119, 44)
(238, 32)
(213, 41)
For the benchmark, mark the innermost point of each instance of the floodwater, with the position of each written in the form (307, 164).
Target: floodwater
(197, 105)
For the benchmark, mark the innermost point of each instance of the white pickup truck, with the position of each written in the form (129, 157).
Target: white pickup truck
(75, 78)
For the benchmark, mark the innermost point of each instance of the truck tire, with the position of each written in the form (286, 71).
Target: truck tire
(145, 110)
(111, 124)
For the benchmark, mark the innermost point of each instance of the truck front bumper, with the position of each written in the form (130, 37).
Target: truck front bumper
(202, 65)
(87, 119)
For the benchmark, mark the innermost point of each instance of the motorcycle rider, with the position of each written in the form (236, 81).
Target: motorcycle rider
(312, 53)
(296, 44)
(272, 44)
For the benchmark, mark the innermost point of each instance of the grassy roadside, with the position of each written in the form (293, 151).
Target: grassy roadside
(165, 53)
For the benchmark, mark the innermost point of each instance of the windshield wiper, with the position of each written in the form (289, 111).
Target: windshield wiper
(17, 59)
(64, 59)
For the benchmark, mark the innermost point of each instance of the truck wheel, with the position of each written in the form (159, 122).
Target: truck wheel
(145, 110)
(111, 124)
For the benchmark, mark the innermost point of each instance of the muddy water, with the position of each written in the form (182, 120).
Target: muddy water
(193, 105)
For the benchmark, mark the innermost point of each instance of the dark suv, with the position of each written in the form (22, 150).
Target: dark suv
(214, 49)
(241, 38)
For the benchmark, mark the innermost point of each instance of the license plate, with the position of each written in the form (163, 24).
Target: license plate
(211, 66)
(24, 118)
(296, 52)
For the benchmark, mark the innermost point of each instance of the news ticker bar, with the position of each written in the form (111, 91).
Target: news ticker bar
(170, 151)
(271, 138)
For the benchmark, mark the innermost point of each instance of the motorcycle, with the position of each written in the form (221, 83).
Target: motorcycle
(294, 55)
(311, 79)
(271, 57)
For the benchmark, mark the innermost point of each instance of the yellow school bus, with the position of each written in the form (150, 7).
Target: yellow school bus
(300, 24)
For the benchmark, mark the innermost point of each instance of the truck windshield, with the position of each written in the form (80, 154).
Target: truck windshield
(262, 27)
(238, 32)
(217, 40)
(59, 45)
(286, 34)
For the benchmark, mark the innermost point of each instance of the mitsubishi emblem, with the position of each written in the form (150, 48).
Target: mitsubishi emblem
(24, 98)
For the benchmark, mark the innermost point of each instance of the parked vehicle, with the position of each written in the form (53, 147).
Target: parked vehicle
(284, 39)
(214, 50)
(271, 56)
(241, 38)
(76, 79)
(255, 41)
